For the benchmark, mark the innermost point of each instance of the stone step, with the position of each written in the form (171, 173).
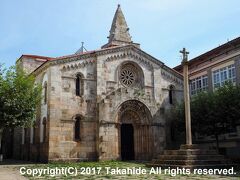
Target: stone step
(190, 157)
(192, 146)
(190, 152)
(190, 162)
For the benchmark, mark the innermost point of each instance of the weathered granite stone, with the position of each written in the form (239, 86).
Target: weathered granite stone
(120, 84)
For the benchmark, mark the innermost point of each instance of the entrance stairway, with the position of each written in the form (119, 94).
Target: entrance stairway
(191, 157)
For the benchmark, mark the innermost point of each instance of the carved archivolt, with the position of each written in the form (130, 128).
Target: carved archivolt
(134, 110)
(130, 116)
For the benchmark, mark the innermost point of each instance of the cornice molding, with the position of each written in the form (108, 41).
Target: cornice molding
(93, 55)
(131, 54)
(77, 65)
(169, 75)
(136, 53)
(91, 58)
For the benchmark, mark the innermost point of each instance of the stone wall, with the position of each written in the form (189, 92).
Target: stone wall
(64, 106)
(101, 108)
(29, 64)
(154, 96)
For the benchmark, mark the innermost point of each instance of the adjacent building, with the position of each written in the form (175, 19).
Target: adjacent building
(210, 71)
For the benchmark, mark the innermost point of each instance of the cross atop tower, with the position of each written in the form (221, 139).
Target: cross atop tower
(185, 54)
(81, 50)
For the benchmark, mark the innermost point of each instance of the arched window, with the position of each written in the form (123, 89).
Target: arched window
(171, 94)
(32, 133)
(44, 129)
(79, 85)
(77, 129)
(25, 135)
(45, 92)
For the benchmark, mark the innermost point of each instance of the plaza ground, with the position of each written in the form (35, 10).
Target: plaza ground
(96, 170)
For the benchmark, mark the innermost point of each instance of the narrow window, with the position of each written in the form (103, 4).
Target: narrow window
(171, 95)
(34, 132)
(31, 134)
(79, 85)
(45, 93)
(25, 135)
(77, 128)
(44, 129)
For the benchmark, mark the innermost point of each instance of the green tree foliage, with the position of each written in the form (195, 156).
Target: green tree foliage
(19, 96)
(212, 113)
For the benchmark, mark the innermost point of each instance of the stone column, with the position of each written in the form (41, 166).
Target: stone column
(186, 97)
(210, 80)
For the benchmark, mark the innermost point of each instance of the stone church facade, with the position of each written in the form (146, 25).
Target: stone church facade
(110, 103)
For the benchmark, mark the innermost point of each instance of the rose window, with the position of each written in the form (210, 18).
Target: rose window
(127, 77)
(131, 75)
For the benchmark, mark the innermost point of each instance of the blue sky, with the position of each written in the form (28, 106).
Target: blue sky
(162, 27)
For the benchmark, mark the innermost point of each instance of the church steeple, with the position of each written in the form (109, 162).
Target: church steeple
(119, 32)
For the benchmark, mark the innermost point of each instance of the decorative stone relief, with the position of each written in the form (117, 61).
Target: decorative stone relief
(77, 65)
(131, 55)
(128, 75)
(66, 85)
(138, 107)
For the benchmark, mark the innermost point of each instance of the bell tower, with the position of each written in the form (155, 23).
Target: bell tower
(119, 32)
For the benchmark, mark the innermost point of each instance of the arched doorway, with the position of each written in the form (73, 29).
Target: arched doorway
(127, 142)
(135, 131)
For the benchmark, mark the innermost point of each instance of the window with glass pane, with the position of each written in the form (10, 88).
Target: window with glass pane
(199, 84)
(223, 75)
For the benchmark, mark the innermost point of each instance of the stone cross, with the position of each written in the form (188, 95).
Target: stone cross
(186, 97)
(185, 54)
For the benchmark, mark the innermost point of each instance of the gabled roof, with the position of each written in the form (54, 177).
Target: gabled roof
(88, 54)
(212, 53)
(36, 57)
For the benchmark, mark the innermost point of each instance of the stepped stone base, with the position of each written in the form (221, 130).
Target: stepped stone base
(192, 157)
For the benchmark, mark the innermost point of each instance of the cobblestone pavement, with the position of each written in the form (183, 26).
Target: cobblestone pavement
(10, 173)
(9, 169)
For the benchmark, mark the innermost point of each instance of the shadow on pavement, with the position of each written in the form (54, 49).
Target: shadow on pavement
(14, 162)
